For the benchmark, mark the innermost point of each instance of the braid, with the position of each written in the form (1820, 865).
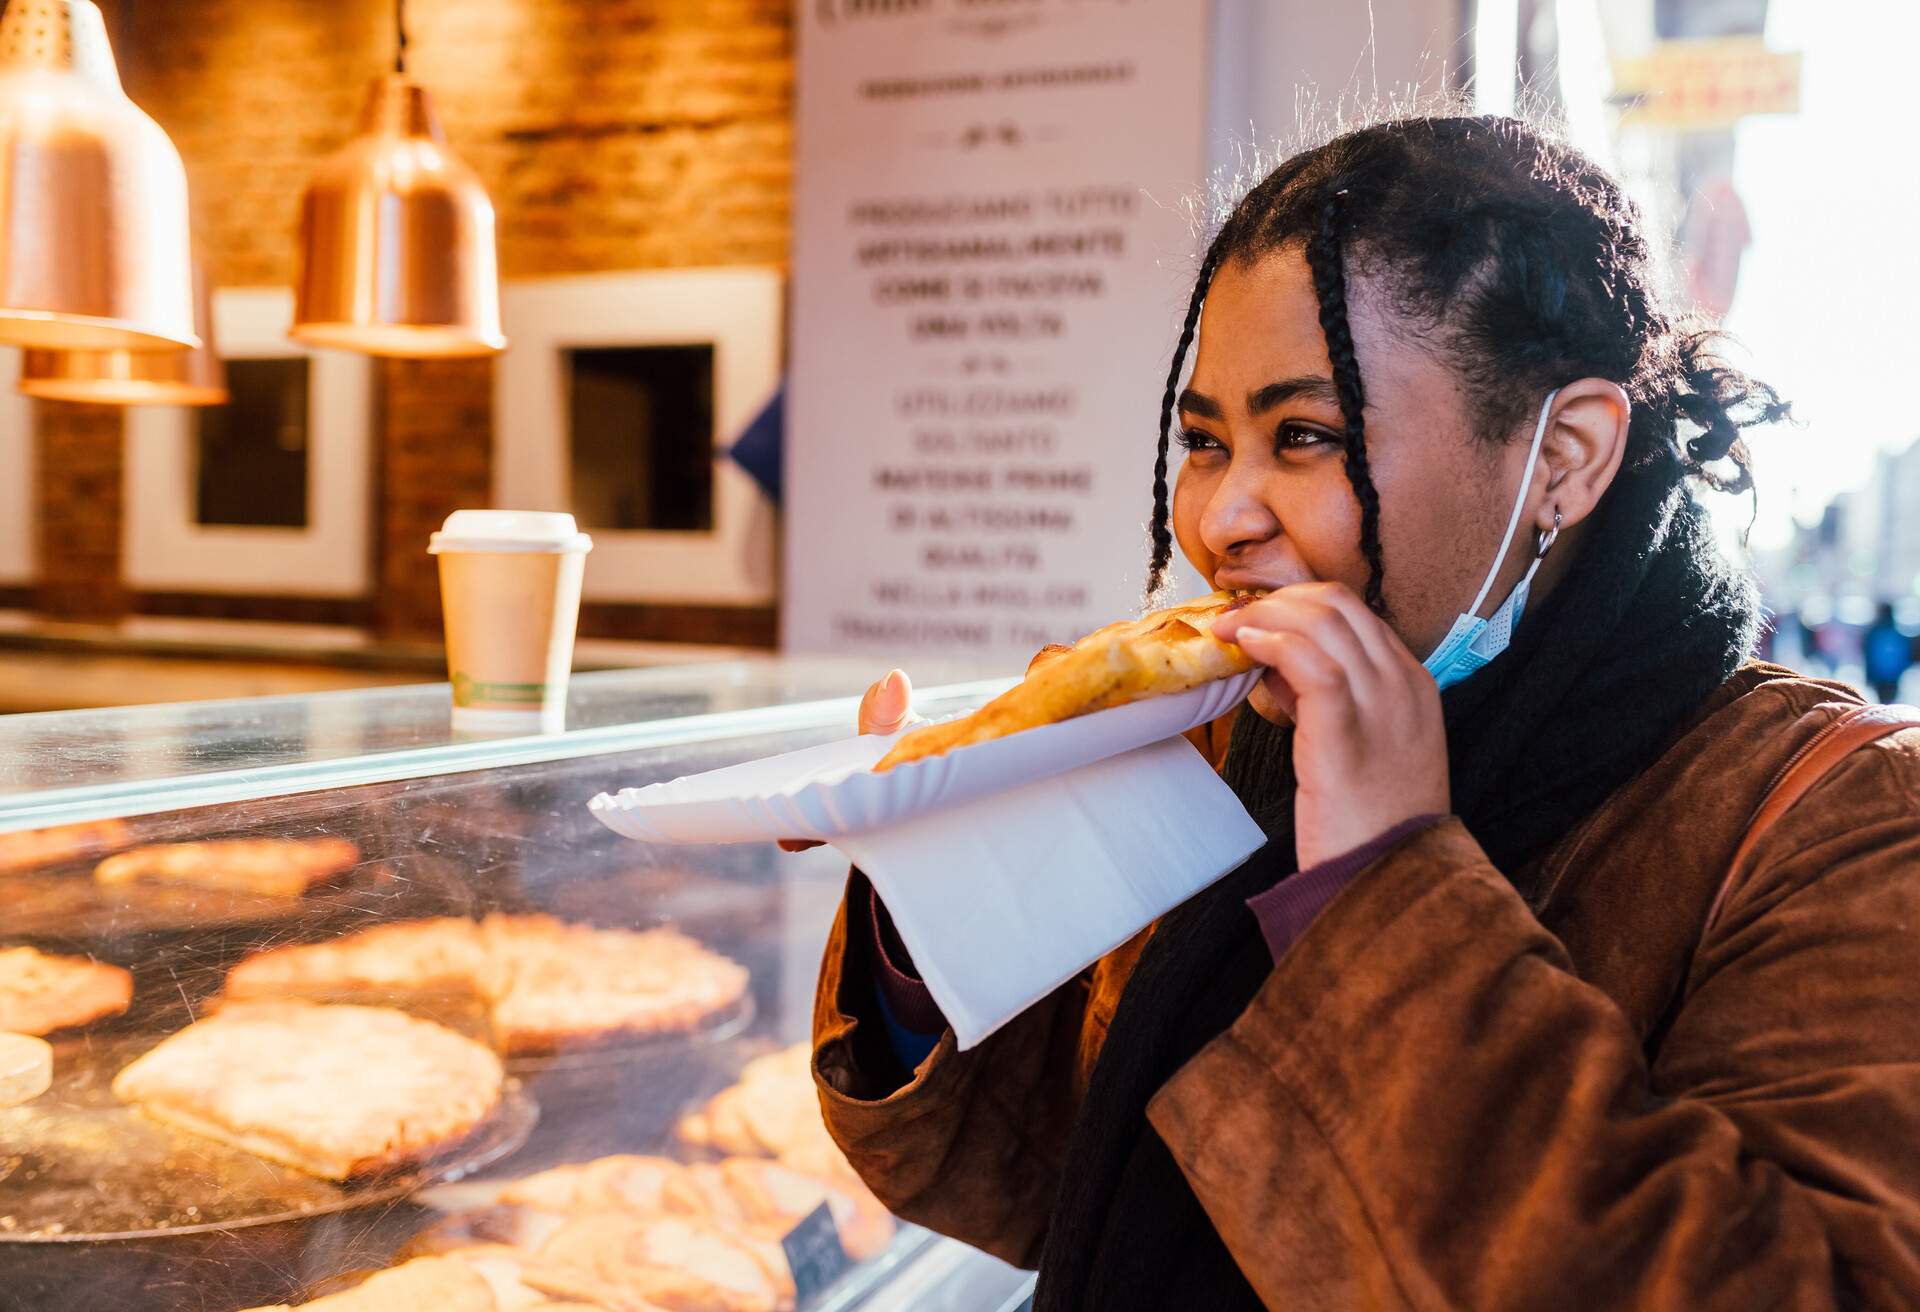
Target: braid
(1330, 286)
(1162, 509)
(1521, 262)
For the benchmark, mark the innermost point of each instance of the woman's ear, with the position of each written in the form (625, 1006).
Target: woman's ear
(1585, 442)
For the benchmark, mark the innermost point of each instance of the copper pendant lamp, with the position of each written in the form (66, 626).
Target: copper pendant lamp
(93, 198)
(396, 236)
(192, 377)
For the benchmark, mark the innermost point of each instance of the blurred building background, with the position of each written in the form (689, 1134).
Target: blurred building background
(624, 138)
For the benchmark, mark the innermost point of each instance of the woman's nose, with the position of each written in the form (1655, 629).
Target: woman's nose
(1237, 515)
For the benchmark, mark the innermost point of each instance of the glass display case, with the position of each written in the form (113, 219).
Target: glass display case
(331, 992)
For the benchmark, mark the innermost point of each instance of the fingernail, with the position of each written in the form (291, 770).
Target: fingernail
(893, 681)
(1249, 631)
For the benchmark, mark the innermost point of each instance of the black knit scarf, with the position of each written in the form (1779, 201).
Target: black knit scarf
(1647, 623)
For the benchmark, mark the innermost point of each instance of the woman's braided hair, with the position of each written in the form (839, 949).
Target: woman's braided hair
(1520, 259)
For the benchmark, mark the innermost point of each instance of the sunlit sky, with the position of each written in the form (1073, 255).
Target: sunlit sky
(1826, 303)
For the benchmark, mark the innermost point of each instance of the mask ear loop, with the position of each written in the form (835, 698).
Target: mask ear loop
(1519, 504)
(1547, 540)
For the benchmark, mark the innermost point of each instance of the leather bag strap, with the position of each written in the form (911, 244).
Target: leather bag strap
(1807, 767)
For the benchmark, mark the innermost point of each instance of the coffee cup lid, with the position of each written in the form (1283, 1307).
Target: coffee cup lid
(509, 530)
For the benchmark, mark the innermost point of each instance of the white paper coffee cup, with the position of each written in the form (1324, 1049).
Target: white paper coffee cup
(510, 595)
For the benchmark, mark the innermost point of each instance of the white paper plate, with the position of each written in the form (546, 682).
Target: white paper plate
(829, 791)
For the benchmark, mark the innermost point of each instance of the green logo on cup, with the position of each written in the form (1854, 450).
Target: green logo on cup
(469, 691)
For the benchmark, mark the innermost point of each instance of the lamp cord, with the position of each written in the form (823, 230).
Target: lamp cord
(399, 36)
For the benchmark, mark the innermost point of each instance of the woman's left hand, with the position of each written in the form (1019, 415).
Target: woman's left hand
(1369, 745)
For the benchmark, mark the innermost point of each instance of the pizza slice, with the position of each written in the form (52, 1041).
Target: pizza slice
(1165, 651)
(41, 993)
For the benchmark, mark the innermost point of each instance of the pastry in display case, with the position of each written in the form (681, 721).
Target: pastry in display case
(345, 1012)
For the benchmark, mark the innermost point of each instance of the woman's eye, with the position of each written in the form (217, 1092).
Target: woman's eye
(1193, 439)
(1298, 437)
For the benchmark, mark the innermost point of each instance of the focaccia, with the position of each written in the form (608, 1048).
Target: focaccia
(340, 1092)
(1164, 651)
(41, 993)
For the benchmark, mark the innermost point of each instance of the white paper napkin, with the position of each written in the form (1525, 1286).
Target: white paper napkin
(1004, 899)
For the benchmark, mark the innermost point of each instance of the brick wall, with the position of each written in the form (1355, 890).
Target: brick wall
(77, 470)
(611, 134)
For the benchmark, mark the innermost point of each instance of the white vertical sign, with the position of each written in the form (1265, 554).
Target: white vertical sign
(991, 258)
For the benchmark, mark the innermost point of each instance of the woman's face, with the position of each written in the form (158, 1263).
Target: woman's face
(1262, 498)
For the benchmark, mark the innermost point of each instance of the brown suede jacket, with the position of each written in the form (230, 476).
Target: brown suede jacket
(1444, 1097)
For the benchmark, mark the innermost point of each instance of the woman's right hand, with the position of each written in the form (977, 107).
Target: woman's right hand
(887, 705)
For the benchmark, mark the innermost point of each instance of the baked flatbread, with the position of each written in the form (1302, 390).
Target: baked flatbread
(501, 1266)
(641, 1264)
(405, 956)
(559, 986)
(547, 985)
(41, 993)
(273, 867)
(29, 849)
(621, 1183)
(1165, 651)
(774, 1198)
(339, 1092)
(773, 1111)
(435, 1283)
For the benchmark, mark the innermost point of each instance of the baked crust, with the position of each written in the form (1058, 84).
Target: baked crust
(29, 849)
(547, 985)
(774, 1198)
(1165, 651)
(274, 867)
(773, 1111)
(586, 1229)
(624, 1182)
(560, 986)
(647, 1264)
(435, 1283)
(439, 955)
(340, 1092)
(41, 993)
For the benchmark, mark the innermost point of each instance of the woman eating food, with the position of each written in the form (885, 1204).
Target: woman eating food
(1582, 965)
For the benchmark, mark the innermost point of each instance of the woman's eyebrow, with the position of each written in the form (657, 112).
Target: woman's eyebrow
(1204, 406)
(1310, 386)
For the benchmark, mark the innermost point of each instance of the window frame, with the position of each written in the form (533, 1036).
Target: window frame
(739, 313)
(165, 549)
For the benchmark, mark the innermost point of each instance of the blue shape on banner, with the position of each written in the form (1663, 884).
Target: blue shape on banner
(760, 449)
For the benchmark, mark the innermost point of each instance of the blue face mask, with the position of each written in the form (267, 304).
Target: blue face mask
(1472, 642)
